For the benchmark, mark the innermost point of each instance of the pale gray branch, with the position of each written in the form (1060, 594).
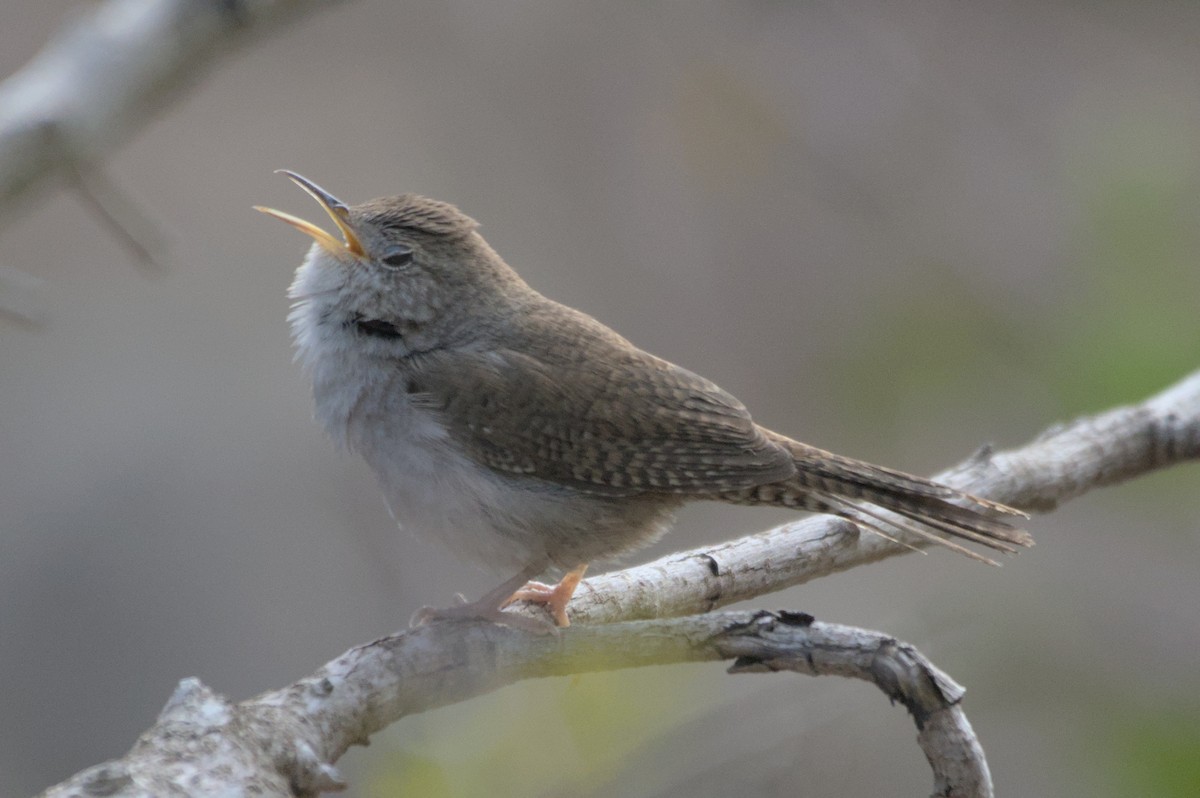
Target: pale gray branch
(95, 83)
(285, 742)
(104, 76)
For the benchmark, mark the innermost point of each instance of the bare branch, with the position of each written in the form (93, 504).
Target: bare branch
(284, 742)
(92, 86)
(104, 76)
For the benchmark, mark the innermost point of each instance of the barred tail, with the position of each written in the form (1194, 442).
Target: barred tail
(828, 483)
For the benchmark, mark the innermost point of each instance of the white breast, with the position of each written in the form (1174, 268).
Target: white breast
(430, 487)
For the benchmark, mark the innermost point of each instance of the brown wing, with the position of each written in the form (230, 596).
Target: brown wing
(592, 411)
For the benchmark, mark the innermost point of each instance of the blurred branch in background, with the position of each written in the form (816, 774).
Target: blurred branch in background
(285, 742)
(98, 81)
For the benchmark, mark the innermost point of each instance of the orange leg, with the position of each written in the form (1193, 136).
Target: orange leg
(554, 597)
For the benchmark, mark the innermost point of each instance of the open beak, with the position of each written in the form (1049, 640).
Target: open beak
(336, 209)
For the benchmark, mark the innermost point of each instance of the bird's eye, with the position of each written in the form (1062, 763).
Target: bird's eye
(397, 255)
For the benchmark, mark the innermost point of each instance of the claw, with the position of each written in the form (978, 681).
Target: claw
(553, 597)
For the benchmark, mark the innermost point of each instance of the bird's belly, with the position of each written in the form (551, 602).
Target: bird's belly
(508, 521)
(504, 521)
(437, 493)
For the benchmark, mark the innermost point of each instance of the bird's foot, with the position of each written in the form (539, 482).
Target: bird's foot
(553, 597)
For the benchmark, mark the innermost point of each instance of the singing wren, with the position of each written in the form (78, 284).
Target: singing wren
(527, 434)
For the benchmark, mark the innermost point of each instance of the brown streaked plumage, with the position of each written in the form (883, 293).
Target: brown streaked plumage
(528, 434)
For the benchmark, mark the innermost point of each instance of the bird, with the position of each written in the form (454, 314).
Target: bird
(527, 435)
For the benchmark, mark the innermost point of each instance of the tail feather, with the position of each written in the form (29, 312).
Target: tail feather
(864, 517)
(828, 483)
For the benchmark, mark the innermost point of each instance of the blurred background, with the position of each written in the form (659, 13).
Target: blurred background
(894, 231)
